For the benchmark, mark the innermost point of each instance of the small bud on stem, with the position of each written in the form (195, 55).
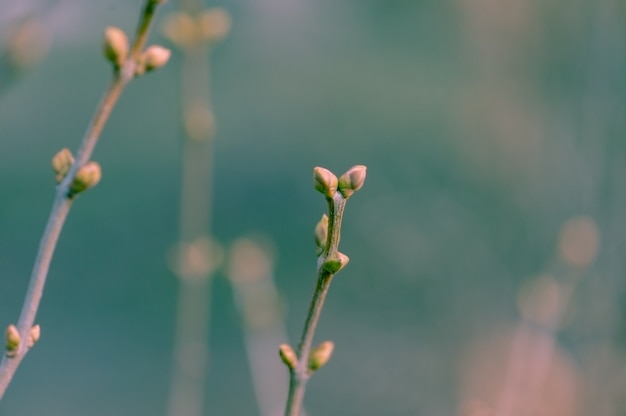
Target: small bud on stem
(86, 177)
(33, 336)
(321, 234)
(115, 46)
(320, 355)
(61, 163)
(288, 355)
(11, 340)
(335, 262)
(153, 58)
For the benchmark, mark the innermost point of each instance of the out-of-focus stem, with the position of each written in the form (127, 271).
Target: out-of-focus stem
(195, 260)
(63, 200)
(256, 298)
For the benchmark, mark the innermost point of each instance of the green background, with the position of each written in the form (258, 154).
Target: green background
(485, 125)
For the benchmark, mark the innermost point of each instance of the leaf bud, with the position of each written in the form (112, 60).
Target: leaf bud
(325, 181)
(11, 340)
(61, 163)
(321, 234)
(320, 355)
(86, 177)
(335, 262)
(33, 335)
(352, 180)
(154, 57)
(288, 355)
(115, 46)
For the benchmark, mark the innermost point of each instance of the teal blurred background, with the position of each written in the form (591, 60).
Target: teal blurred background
(486, 126)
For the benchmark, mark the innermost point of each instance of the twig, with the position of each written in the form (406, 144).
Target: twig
(125, 71)
(330, 261)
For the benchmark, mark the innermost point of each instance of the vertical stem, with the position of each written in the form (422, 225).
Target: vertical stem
(191, 349)
(300, 375)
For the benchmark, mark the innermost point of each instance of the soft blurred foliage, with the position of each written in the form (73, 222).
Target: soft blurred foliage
(487, 246)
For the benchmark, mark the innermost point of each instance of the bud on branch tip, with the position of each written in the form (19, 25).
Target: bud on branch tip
(325, 181)
(352, 180)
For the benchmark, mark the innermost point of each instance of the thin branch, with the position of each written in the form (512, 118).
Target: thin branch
(64, 199)
(300, 374)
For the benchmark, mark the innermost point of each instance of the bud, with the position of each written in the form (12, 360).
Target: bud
(33, 335)
(320, 355)
(153, 58)
(199, 122)
(321, 234)
(325, 181)
(115, 45)
(86, 177)
(352, 180)
(61, 163)
(180, 29)
(214, 24)
(288, 355)
(335, 262)
(11, 340)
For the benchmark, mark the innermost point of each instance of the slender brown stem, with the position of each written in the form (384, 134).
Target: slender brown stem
(300, 375)
(63, 202)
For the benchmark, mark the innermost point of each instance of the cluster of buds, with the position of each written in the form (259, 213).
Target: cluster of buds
(318, 357)
(209, 26)
(351, 181)
(87, 176)
(12, 339)
(116, 51)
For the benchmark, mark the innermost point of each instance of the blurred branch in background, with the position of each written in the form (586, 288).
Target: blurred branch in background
(250, 271)
(194, 31)
(76, 176)
(527, 371)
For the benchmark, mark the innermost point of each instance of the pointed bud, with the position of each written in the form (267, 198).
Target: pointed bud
(33, 335)
(335, 262)
(321, 234)
(214, 24)
(86, 177)
(61, 163)
(288, 356)
(115, 46)
(153, 58)
(325, 181)
(11, 340)
(352, 180)
(320, 355)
